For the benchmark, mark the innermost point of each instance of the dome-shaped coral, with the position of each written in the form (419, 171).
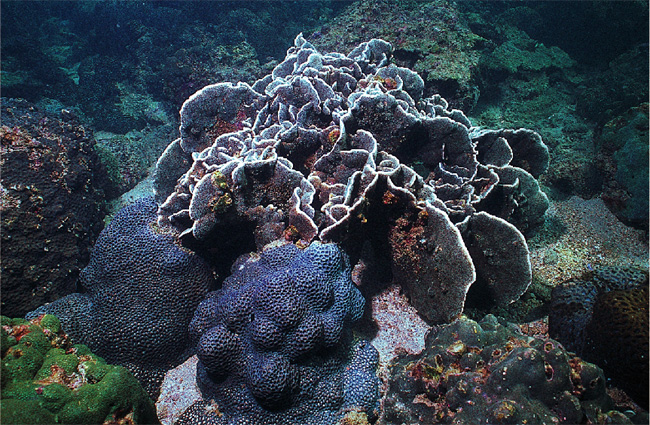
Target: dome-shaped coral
(274, 342)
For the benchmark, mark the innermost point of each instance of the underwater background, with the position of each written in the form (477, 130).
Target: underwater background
(324, 212)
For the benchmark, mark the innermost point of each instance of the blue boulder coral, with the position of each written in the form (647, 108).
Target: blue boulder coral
(326, 148)
(140, 292)
(274, 342)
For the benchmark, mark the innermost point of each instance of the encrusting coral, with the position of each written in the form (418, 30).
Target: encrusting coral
(488, 372)
(47, 379)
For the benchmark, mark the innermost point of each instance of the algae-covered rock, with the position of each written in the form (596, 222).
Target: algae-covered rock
(47, 379)
(53, 187)
(624, 160)
(488, 372)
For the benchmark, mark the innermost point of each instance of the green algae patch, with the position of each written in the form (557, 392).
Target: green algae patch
(46, 380)
(24, 412)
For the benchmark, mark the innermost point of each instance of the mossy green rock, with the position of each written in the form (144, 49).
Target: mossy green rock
(46, 379)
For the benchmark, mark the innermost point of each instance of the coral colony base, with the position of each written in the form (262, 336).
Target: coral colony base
(342, 178)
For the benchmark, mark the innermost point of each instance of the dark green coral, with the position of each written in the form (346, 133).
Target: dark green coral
(47, 379)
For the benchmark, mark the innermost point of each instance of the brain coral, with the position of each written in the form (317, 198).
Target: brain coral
(273, 343)
(140, 292)
(617, 339)
(46, 379)
(488, 372)
(345, 149)
(603, 316)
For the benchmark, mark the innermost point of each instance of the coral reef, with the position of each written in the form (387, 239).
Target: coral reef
(47, 379)
(524, 83)
(432, 38)
(51, 204)
(434, 212)
(274, 342)
(623, 145)
(603, 317)
(327, 147)
(140, 292)
(488, 372)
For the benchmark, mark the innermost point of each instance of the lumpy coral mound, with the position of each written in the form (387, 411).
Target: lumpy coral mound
(603, 316)
(488, 372)
(274, 343)
(345, 149)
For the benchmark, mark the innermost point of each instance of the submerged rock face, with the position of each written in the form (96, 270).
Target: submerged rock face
(274, 343)
(623, 159)
(50, 201)
(345, 149)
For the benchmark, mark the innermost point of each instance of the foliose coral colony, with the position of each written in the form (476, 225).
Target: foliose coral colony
(328, 162)
(344, 149)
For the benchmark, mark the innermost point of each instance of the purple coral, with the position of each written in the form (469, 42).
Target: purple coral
(140, 292)
(274, 342)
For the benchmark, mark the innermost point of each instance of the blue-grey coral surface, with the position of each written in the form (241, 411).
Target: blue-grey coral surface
(140, 292)
(274, 343)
